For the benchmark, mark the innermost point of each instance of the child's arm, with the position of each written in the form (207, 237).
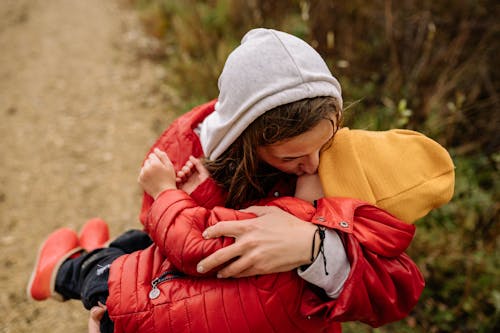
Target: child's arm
(176, 225)
(175, 221)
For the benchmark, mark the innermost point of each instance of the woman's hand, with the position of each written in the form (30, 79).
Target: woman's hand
(157, 174)
(275, 241)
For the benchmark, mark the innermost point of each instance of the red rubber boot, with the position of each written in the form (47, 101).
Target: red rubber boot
(57, 247)
(94, 234)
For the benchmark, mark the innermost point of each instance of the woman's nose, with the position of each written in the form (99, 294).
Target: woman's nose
(311, 163)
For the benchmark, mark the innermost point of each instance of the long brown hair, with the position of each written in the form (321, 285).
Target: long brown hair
(240, 171)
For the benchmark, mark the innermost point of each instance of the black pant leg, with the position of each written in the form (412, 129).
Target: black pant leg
(131, 241)
(86, 277)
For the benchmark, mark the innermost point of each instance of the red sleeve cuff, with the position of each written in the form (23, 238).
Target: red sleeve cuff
(208, 194)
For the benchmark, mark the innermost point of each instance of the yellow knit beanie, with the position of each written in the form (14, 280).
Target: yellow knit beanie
(400, 171)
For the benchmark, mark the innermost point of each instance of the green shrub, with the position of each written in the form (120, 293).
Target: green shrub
(456, 247)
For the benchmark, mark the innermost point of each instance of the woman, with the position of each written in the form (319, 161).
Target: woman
(270, 74)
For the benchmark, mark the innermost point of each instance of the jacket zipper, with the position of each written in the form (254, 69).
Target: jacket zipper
(166, 276)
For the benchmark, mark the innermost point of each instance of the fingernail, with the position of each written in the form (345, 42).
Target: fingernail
(205, 234)
(200, 269)
(220, 276)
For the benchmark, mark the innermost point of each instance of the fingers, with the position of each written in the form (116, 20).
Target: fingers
(237, 268)
(162, 156)
(199, 166)
(157, 158)
(228, 253)
(226, 228)
(224, 255)
(95, 317)
(244, 263)
(186, 171)
(149, 163)
(151, 160)
(217, 259)
(97, 312)
(192, 164)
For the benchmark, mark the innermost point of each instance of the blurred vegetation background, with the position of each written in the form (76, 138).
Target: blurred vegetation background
(428, 65)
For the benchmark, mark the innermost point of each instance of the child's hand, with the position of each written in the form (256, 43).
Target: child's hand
(191, 175)
(157, 174)
(96, 314)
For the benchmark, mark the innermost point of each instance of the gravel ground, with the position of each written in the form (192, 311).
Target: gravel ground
(79, 108)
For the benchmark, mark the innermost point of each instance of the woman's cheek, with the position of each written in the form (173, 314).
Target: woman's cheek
(289, 167)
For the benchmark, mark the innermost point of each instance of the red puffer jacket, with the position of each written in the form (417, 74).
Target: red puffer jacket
(383, 285)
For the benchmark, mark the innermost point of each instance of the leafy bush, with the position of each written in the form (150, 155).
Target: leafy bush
(424, 65)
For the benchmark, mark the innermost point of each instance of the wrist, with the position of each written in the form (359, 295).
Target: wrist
(311, 245)
(317, 248)
(164, 189)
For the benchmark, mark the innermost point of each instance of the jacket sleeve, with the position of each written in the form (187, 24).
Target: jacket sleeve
(176, 222)
(384, 284)
(179, 141)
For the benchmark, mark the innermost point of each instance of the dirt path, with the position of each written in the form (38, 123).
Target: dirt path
(77, 112)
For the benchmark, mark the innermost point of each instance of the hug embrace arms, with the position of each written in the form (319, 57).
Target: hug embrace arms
(383, 283)
(279, 107)
(382, 278)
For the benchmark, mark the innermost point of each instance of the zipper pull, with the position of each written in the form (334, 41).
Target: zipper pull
(166, 276)
(155, 292)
